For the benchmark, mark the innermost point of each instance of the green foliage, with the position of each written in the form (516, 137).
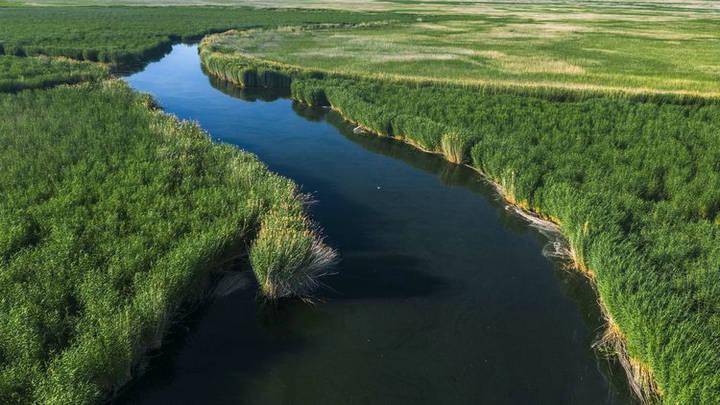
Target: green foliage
(456, 145)
(568, 49)
(634, 184)
(25, 73)
(131, 35)
(309, 92)
(111, 215)
(356, 109)
(421, 131)
(287, 256)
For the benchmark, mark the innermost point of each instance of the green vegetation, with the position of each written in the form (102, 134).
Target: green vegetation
(601, 116)
(111, 216)
(132, 35)
(491, 7)
(633, 180)
(26, 73)
(659, 54)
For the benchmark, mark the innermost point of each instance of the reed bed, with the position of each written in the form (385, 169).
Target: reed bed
(225, 59)
(126, 37)
(112, 216)
(18, 74)
(632, 182)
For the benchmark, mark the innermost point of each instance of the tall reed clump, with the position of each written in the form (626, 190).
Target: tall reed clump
(456, 145)
(420, 131)
(633, 182)
(122, 212)
(287, 256)
(309, 92)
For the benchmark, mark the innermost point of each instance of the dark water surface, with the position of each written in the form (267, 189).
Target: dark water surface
(442, 296)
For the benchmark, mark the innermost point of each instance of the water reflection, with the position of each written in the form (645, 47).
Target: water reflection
(442, 296)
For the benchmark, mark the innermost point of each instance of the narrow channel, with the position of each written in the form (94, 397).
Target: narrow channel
(442, 295)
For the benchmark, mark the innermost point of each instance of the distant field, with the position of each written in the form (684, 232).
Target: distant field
(639, 46)
(630, 52)
(132, 35)
(445, 6)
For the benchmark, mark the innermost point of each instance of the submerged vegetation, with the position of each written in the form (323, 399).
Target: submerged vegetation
(633, 181)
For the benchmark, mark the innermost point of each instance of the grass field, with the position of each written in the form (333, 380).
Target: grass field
(677, 55)
(133, 35)
(630, 175)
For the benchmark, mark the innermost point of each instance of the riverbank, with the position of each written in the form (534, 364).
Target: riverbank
(84, 342)
(640, 377)
(581, 164)
(468, 287)
(20, 73)
(122, 212)
(643, 214)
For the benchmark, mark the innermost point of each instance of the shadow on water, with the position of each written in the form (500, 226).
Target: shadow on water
(574, 284)
(247, 94)
(441, 295)
(451, 175)
(136, 63)
(241, 345)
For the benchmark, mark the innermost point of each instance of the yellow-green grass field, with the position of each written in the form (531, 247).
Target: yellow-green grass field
(436, 6)
(632, 53)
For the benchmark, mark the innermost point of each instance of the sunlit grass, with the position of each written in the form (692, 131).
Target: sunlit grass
(607, 54)
(130, 36)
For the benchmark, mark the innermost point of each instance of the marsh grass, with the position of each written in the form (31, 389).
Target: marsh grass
(20, 73)
(224, 59)
(127, 37)
(631, 180)
(112, 216)
(456, 146)
(287, 256)
(608, 55)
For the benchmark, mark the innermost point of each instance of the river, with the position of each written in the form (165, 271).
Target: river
(442, 295)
